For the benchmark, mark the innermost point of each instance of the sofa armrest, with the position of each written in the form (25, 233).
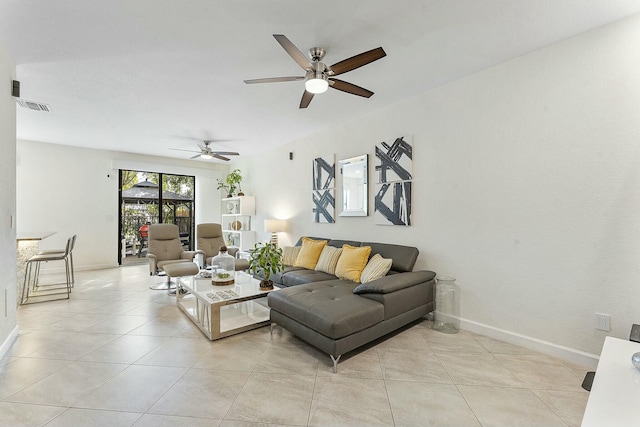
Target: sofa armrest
(394, 282)
(232, 251)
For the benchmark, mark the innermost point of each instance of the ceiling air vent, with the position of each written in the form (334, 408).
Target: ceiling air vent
(37, 106)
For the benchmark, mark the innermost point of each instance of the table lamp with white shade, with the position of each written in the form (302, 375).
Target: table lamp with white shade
(275, 226)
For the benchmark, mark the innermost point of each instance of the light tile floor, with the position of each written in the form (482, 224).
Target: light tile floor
(119, 354)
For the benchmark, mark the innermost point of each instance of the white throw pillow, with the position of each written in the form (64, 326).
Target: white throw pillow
(376, 268)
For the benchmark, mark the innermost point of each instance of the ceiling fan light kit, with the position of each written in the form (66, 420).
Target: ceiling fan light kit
(318, 84)
(319, 77)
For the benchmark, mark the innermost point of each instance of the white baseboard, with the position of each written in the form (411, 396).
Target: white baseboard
(4, 347)
(555, 350)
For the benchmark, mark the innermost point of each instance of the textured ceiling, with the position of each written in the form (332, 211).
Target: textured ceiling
(144, 76)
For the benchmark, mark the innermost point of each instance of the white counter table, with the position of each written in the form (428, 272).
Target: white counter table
(615, 394)
(27, 246)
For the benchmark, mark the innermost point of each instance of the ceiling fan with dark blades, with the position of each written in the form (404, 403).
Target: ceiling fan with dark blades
(318, 76)
(207, 153)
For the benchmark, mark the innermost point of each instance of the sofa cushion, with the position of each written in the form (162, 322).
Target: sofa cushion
(309, 253)
(331, 242)
(279, 277)
(301, 276)
(404, 257)
(341, 243)
(290, 254)
(376, 268)
(352, 262)
(330, 308)
(328, 259)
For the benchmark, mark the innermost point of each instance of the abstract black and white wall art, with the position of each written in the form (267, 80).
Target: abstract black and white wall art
(394, 162)
(394, 171)
(324, 172)
(324, 206)
(324, 182)
(393, 203)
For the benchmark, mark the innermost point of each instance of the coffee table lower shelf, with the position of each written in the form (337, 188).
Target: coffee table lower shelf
(219, 318)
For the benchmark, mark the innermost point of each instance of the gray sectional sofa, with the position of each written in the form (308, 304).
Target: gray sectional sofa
(338, 316)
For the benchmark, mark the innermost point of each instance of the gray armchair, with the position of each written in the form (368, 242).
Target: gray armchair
(164, 247)
(210, 239)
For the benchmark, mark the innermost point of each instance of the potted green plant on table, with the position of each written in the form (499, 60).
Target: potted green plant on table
(230, 183)
(266, 258)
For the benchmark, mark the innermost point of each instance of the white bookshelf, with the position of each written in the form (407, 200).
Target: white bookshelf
(237, 218)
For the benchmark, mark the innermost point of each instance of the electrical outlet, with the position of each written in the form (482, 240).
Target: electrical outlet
(603, 322)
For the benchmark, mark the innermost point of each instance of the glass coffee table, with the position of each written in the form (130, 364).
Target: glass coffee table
(221, 311)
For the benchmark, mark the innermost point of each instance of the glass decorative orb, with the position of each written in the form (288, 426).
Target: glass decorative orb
(635, 359)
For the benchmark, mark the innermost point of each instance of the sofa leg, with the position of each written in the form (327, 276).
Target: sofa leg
(335, 362)
(273, 325)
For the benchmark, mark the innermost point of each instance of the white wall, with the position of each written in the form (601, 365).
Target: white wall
(526, 189)
(8, 327)
(66, 189)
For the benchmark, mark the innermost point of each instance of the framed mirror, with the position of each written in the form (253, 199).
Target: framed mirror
(355, 188)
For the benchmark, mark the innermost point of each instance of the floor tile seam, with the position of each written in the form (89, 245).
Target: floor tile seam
(514, 373)
(40, 379)
(386, 390)
(115, 374)
(468, 404)
(527, 384)
(523, 384)
(168, 388)
(135, 362)
(226, 414)
(35, 404)
(411, 381)
(443, 367)
(559, 415)
(148, 412)
(87, 408)
(313, 393)
(527, 389)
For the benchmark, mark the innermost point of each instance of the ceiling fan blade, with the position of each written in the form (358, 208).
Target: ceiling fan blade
(217, 156)
(293, 51)
(194, 157)
(272, 80)
(306, 99)
(350, 88)
(179, 149)
(226, 153)
(357, 61)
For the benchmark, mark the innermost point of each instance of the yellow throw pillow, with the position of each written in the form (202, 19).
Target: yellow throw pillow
(328, 259)
(376, 268)
(289, 254)
(352, 262)
(309, 253)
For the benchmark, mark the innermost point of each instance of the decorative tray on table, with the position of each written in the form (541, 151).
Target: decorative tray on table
(222, 279)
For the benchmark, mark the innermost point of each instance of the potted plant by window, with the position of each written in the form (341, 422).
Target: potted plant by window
(230, 183)
(266, 258)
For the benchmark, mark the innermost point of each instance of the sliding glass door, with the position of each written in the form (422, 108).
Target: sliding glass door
(148, 198)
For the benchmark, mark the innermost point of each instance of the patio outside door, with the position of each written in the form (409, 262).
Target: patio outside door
(143, 201)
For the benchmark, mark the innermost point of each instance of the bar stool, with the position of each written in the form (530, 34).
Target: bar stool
(31, 288)
(61, 251)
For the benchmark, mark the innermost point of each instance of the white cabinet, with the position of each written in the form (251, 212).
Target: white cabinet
(237, 213)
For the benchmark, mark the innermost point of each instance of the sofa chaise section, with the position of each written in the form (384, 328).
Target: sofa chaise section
(337, 315)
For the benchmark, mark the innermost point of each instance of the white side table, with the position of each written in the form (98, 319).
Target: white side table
(615, 393)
